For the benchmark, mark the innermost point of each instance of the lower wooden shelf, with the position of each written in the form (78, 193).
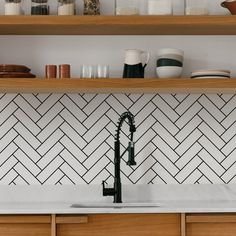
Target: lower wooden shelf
(37, 85)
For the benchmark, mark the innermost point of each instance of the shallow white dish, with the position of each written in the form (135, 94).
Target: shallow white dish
(210, 77)
(169, 71)
(213, 73)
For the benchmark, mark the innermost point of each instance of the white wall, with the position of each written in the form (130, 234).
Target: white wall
(175, 133)
(35, 51)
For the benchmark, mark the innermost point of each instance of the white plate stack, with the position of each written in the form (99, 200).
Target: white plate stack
(210, 74)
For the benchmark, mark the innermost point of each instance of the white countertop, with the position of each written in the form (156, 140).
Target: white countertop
(170, 199)
(165, 207)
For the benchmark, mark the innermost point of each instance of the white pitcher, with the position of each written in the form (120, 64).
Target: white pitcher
(133, 67)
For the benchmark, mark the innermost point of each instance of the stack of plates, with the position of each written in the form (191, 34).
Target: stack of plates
(209, 74)
(15, 71)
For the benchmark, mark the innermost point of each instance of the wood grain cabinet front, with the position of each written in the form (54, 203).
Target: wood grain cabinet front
(211, 224)
(121, 225)
(25, 225)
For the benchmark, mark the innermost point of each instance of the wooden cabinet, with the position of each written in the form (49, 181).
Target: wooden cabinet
(91, 225)
(25, 225)
(210, 224)
(120, 225)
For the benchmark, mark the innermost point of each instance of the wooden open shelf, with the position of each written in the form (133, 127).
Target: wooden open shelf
(117, 85)
(118, 25)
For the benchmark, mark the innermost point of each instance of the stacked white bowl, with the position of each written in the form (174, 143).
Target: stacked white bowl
(170, 63)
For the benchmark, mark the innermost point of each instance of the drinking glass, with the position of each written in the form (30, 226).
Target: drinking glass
(160, 7)
(127, 7)
(13, 7)
(66, 7)
(102, 71)
(196, 7)
(87, 71)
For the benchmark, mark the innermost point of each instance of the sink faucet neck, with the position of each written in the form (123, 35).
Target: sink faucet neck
(126, 115)
(116, 191)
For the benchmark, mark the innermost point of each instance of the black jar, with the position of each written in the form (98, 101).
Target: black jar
(39, 7)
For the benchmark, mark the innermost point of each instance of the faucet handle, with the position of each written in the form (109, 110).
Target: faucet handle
(132, 128)
(131, 161)
(103, 184)
(107, 191)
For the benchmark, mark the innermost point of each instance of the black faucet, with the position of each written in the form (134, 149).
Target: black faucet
(116, 190)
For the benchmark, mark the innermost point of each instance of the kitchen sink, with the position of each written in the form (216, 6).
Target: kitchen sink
(115, 205)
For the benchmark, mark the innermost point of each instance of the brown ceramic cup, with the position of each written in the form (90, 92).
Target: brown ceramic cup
(51, 71)
(64, 71)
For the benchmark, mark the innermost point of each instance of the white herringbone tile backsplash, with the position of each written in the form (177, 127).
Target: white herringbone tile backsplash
(68, 138)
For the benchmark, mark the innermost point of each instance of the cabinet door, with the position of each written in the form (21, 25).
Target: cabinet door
(123, 225)
(21, 225)
(211, 224)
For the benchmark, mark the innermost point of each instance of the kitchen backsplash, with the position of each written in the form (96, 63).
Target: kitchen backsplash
(68, 138)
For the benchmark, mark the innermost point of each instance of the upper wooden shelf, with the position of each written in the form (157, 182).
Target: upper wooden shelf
(118, 25)
(117, 85)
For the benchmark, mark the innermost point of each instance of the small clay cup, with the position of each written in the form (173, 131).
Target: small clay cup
(64, 71)
(51, 71)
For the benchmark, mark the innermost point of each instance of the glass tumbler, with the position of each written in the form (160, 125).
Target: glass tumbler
(160, 7)
(66, 7)
(87, 71)
(102, 71)
(196, 7)
(39, 7)
(13, 7)
(127, 7)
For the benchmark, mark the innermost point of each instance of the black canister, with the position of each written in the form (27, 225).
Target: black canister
(39, 7)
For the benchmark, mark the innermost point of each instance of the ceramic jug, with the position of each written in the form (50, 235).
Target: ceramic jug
(133, 67)
(230, 5)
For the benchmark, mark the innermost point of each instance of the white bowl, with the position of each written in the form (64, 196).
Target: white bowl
(164, 51)
(169, 71)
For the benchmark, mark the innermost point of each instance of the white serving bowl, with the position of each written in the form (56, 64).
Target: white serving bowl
(169, 71)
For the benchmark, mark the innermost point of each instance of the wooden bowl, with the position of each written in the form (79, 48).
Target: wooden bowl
(16, 75)
(14, 68)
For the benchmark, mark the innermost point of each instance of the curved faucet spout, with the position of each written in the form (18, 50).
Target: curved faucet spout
(116, 190)
(126, 115)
